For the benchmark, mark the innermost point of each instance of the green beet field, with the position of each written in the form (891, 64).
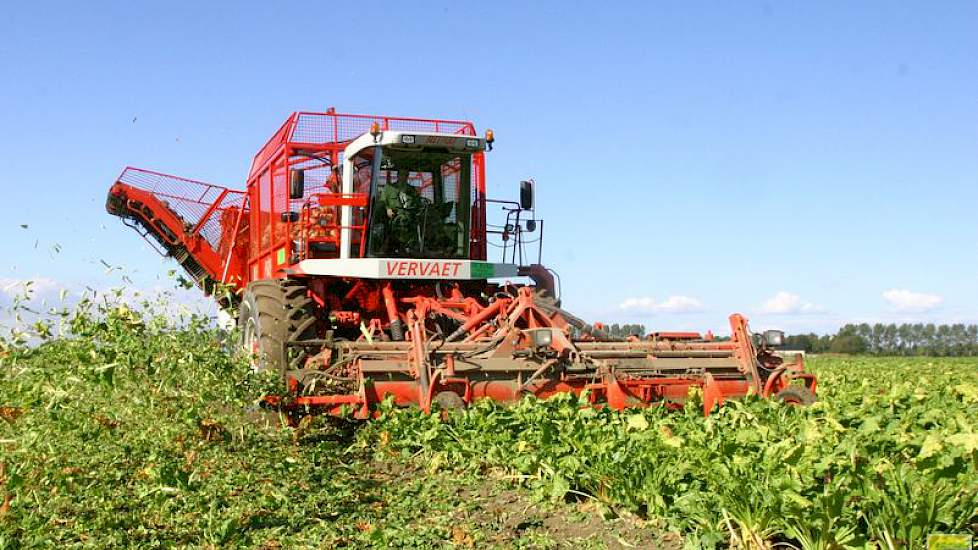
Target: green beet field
(124, 429)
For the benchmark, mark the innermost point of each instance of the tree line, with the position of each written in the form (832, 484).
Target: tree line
(624, 331)
(892, 339)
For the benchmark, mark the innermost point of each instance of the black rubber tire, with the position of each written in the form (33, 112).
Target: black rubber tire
(449, 401)
(272, 312)
(796, 395)
(397, 330)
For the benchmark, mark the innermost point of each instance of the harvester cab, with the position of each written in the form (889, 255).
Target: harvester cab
(357, 259)
(410, 205)
(419, 192)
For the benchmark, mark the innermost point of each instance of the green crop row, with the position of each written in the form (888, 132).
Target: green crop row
(888, 455)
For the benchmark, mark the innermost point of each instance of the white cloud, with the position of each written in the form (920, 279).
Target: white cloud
(644, 304)
(906, 300)
(785, 302)
(19, 287)
(680, 304)
(672, 304)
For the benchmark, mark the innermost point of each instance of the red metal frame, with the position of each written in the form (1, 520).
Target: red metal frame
(196, 222)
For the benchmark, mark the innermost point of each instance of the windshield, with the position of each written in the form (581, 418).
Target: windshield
(420, 202)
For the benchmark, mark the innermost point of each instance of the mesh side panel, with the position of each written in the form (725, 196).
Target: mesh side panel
(307, 164)
(313, 128)
(474, 189)
(451, 177)
(351, 128)
(316, 174)
(331, 128)
(221, 222)
(446, 127)
(426, 186)
(280, 202)
(316, 181)
(270, 148)
(265, 209)
(190, 200)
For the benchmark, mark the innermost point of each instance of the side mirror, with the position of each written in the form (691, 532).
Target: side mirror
(297, 184)
(773, 338)
(531, 226)
(526, 195)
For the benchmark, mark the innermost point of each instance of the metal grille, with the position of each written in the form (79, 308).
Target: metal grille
(190, 200)
(316, 175)
(280, 202)
(322, 128)
(270, 148)
(216, 228)
(265, 209)
(331, 130)
(451, 178)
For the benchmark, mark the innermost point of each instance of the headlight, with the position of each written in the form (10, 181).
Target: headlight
(773, 338)
(542, 337)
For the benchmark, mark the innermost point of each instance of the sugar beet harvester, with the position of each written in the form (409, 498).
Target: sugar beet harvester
(357, 258)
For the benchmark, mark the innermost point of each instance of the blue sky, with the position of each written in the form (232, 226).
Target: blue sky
(807, 164)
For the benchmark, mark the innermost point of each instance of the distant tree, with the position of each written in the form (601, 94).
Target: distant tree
(905, 339)
(918, 339)
(824, 344)
(875, 338)
(620, 332)
(850, 343)
(928, 339)
(942, 341)
(802, 342)
(632, 330)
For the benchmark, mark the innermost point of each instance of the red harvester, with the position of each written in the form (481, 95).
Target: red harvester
(357, 257)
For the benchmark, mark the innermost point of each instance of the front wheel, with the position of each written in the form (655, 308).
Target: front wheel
(796, 395)
(272, 313)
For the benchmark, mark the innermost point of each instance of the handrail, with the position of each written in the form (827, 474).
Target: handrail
(341, 199)
(518, 252)
(328, 200)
